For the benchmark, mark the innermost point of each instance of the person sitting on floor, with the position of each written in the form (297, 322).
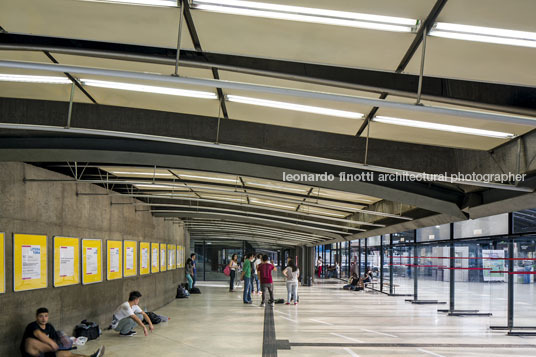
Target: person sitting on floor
(40, 339)
(354, 283)
(128, 314)
(367, 278)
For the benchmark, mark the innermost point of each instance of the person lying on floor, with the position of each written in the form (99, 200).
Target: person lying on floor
(41, 339)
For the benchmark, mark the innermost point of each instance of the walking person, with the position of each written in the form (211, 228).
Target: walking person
(292, 273)
(267, 284)
(233, 266)
(246, 275)
(190, 273)
(319, 267)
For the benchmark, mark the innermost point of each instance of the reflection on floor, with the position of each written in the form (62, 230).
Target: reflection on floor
(328, 321)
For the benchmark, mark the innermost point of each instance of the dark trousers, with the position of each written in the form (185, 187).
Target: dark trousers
(231, 283)
(270, 288)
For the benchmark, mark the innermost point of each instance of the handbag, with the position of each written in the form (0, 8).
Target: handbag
(227, 271)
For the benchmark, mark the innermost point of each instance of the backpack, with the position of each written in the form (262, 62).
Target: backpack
(182, 293)
(279, 301)
(227, 271)
(155, 319)
(195, 290)
(87, 329)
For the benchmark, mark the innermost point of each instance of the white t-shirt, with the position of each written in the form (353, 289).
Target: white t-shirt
(292, 276)
(124, 310)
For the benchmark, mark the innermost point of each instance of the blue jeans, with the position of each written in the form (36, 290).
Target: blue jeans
(190, 281)
(292, 291)
(247, 289)
(256, 279)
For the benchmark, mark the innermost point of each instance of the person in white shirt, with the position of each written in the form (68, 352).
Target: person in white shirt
(128, 314)
(292, 273)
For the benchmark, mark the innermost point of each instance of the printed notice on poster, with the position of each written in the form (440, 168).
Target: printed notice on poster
(155, 257)
(130, 258)
(163, 257)
(144, 258)
(170, 259)
(114, 260)
(31, 262)
(66, 261)
(92, 261)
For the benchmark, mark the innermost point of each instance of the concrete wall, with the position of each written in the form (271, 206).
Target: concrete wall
(54, 208)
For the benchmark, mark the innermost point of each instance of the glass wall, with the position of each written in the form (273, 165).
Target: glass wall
(524, 282)
(213, 256)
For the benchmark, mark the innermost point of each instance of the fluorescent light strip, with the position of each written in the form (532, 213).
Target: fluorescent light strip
(140, 173)
(160, 3)
(442, 127)
(307, 210)
(4, 77)
(149, 89)
(484, 34)
(168, 187)
(272, 204)
(295, 107)
(304, 14)
(224, 198)
(276, 187)
(207, 178)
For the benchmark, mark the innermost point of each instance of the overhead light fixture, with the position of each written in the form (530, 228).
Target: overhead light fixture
(306, 14)
(223, 198)
(149, 89)
(275, 187)
(308, 210)
(117, 173)
(160, 3)
(442, 127)
(272, 204)
(484, 34)
(295, 107)
(23, 78)
(207, 178)
(167, 187)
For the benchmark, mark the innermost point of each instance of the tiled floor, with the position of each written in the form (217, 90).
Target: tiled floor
(217, 323)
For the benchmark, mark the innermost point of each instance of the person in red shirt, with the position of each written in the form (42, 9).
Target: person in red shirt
(265, 274)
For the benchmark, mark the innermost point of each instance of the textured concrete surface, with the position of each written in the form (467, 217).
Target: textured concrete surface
(54, 208)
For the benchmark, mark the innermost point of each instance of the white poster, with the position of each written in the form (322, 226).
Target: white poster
(66, 261)
(170, 259)
(92, 261)
(144, 258)
(130, 258)
(162, 257)
(494, 262)
(155, 257)
(31, 262)
(114, 260)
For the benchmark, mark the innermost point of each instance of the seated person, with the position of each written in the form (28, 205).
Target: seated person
(40, 339)
(355, 283)
(367, 278)
(128, 314)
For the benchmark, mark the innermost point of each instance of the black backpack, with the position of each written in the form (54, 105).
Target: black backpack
(87, 329)
(155, 319)
(195, 290)
(182, 293)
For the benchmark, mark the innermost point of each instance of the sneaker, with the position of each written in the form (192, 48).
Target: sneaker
(99, 352)
(287, 303)
(247, 302)
(295, 303)
(272, 303)
(129, 333)
(263, 305)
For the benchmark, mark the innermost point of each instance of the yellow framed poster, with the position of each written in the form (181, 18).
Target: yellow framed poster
(163, 257)
(2, 263)
(114, 263)
(145, 258)
(91, 261)
(130, 252)
(172, 252)
(29, 262)
(178, 252)
(66, 261)
(155, 261)
(181, 257)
